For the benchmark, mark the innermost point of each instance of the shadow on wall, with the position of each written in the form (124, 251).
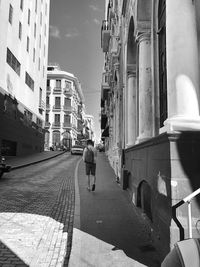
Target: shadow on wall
(188, 147)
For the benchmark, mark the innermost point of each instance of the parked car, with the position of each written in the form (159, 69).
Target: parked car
(77, 149)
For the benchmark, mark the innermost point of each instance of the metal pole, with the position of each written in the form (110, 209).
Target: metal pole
(189, 219)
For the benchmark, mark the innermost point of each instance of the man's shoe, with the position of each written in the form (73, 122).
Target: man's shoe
(88, 188)
(93, 187)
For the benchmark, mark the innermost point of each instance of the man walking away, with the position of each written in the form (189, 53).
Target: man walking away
(89, 157)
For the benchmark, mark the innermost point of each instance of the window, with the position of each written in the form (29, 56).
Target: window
(57, 118)
(40, 97)
(67, 84)
(21, 4)
(57, 102)
(56, 137)
(162, 60)
(39, 63)
(40, 40)
(45, 8)
(58, 83)
(35, 30)
(28, 115)
(29, 81)
(40, 18)
(20, 30)
(39, 122)
(29, 16)
(36, 6)
(66, 118)
(45, 30)
(47, 117)
(27, 44)
(67, 102)
(13, 62)
(33, 54)
(47, 100)
(48, 82)
(10, 14)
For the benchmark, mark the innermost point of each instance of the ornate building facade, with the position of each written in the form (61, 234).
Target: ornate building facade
(64, 109)
(150, 103)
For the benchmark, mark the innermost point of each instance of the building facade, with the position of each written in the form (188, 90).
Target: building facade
(24, 27)
(89, 127)
(150, 104)
(64, 109)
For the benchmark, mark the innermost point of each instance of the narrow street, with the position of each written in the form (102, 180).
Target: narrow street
(36, 209)
(38, 226)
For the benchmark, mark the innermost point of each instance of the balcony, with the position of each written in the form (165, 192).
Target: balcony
(57, 90)
(56, 124)
(56, 107)
(67, 91)
(105, 36)
(105, 81)
(115, 45)
(41, 105)
(67, 125)
(105, 86)
(67, 109)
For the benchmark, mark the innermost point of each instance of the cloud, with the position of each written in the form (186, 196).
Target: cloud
(72, 33)
(94, 7)
(54, 32)
(96, 21)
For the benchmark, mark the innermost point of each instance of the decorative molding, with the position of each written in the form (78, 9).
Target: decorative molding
(143, 36)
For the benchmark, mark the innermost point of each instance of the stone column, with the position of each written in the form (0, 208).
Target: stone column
(182, 66)
(145, 87)
(131, 108)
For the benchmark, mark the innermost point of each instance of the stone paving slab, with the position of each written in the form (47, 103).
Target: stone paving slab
(90, 251)
(37, 240)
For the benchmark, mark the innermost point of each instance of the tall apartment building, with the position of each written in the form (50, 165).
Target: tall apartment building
(64, 104)
(24, 27)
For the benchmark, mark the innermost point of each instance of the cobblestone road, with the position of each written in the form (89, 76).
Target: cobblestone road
(36, 214)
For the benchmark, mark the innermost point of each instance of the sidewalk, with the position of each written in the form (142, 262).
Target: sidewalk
(108, 230)
(22, 161)
(107, 227)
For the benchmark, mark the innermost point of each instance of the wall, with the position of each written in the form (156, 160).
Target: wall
(161, 172)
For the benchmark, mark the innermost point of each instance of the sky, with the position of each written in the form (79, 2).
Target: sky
(75, 44)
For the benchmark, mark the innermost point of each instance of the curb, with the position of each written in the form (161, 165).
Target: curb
(35, 162)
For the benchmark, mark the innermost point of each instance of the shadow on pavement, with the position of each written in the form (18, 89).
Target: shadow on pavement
(9, 258)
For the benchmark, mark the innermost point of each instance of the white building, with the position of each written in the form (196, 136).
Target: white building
(24, 27)
(64, 102)
(89, 127)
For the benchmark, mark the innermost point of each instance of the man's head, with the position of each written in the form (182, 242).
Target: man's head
(90, 142)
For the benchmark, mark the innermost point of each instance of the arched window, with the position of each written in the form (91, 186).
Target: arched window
(56, 137)
(162, 60)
